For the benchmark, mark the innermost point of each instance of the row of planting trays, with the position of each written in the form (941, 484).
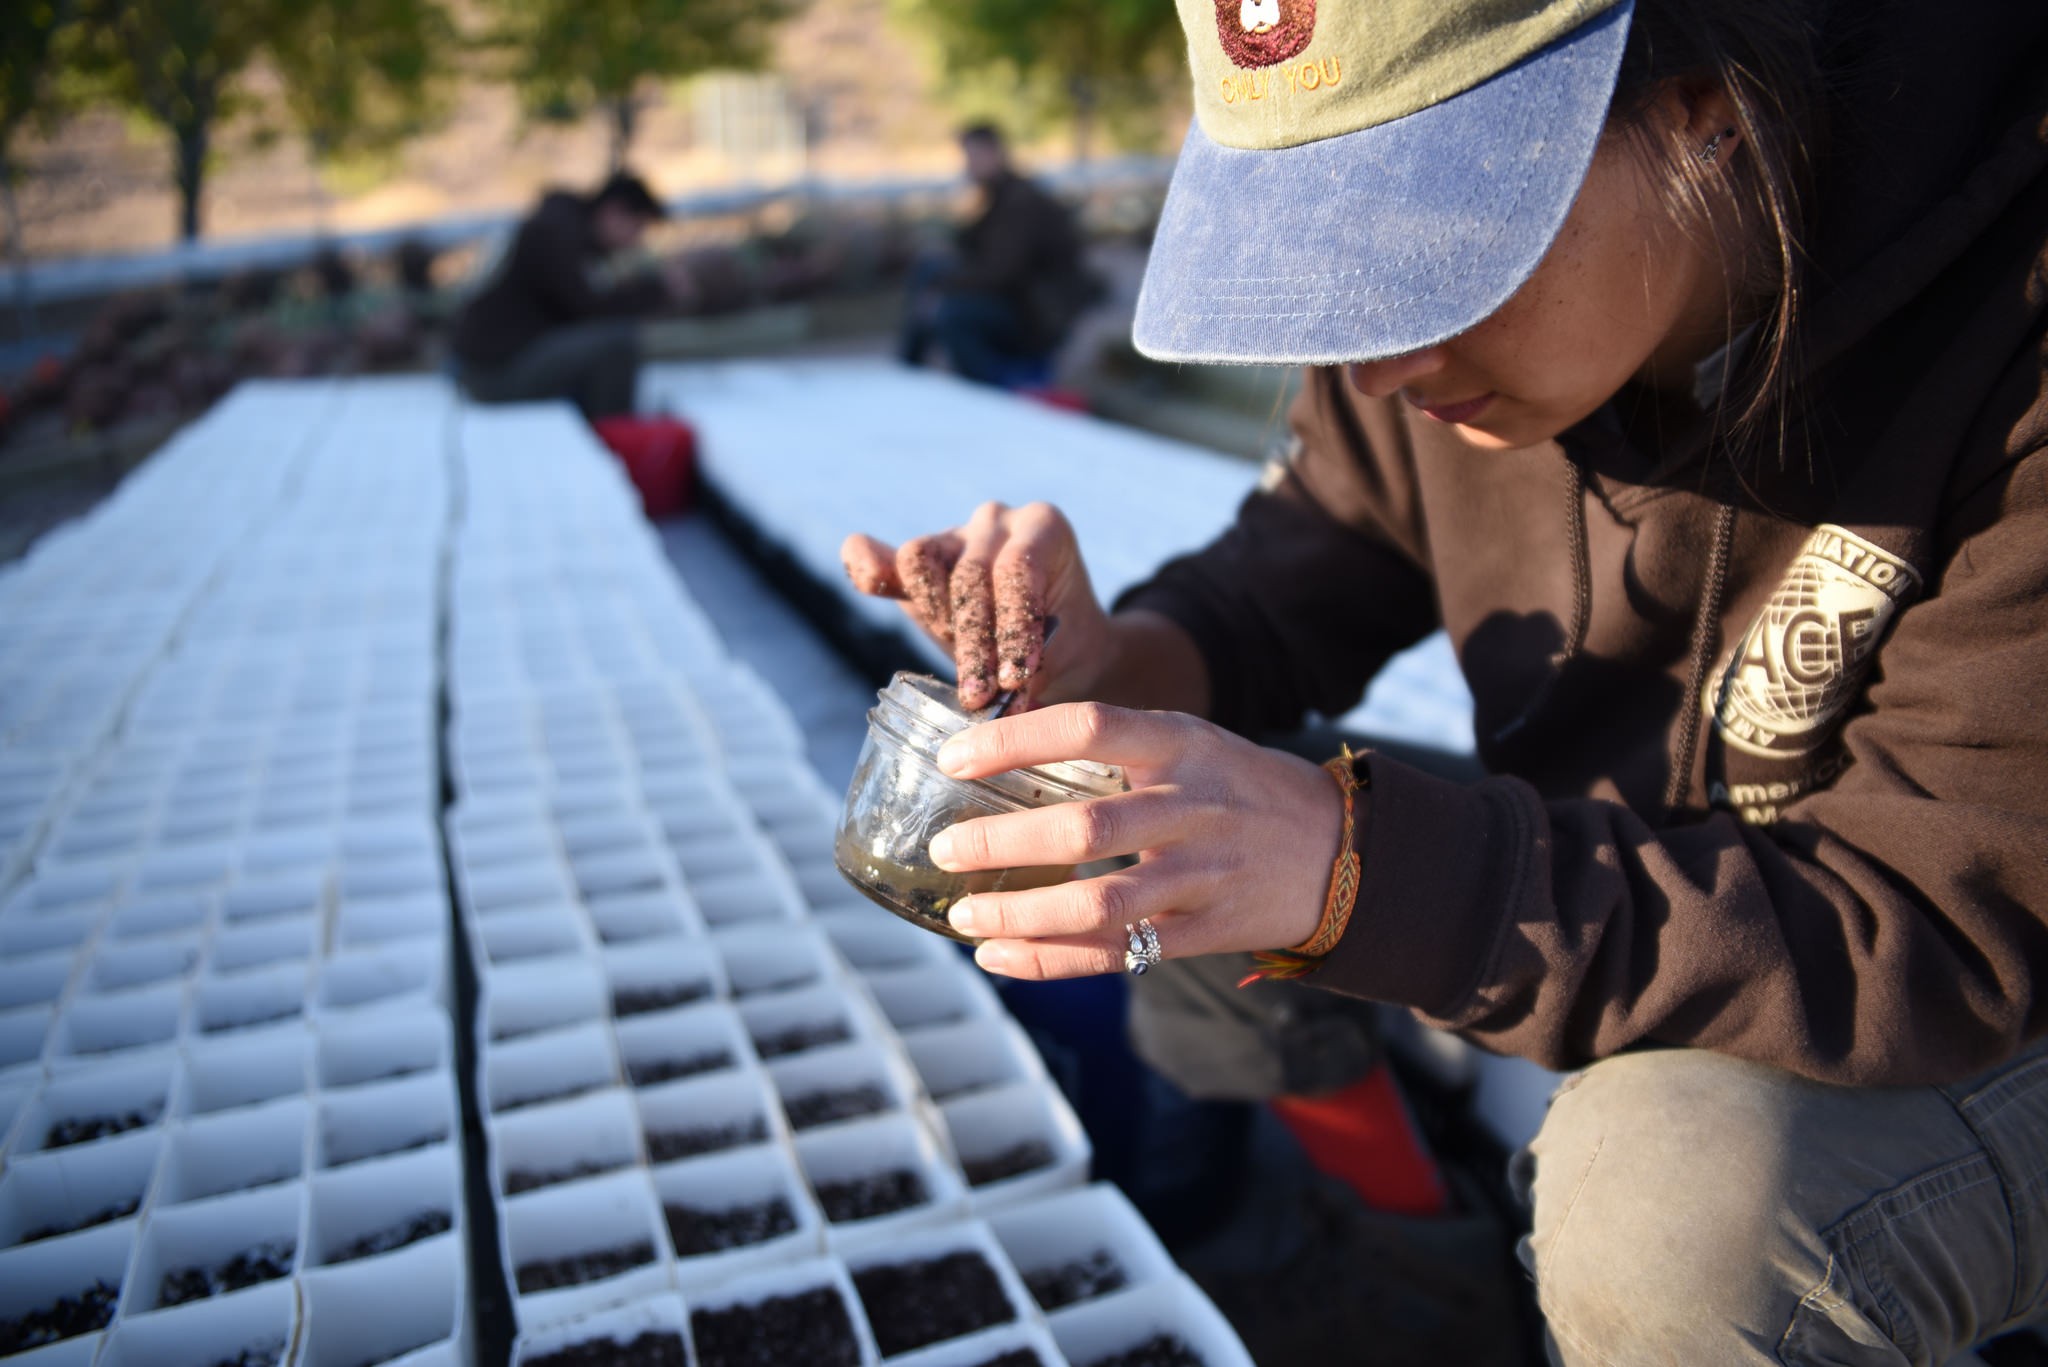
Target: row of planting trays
(228, 1102)
(735, 1114)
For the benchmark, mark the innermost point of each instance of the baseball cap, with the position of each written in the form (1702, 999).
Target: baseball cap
(1367, 179)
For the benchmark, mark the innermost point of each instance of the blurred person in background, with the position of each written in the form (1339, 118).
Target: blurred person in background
(1002, 303)
(548, 325)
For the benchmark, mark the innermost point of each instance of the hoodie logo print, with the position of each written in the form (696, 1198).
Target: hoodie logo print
(1802, 661)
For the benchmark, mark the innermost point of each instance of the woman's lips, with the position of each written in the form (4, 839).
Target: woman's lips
(1463, 411)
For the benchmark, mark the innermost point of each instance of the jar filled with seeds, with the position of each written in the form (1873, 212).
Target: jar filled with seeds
(899, 800)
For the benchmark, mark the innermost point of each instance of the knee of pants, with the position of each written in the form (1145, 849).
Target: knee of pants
(1661, 1222)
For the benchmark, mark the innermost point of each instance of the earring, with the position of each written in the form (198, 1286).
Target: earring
(1712, 150)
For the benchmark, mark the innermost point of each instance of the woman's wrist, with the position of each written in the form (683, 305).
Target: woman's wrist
(1152, 662)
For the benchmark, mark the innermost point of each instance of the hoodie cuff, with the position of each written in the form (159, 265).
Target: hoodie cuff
(1433, 890)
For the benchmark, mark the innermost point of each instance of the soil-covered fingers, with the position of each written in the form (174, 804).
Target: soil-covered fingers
(1181, 935)
(973, 605)
(871, 566)
(1020, 613)
(1066, 833)
(924, 570)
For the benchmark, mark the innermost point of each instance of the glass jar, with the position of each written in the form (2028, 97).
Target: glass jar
(899, 800)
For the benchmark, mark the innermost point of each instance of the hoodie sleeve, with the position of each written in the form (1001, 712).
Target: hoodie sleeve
(549, 255)
(1889, 929)
(1316, 585)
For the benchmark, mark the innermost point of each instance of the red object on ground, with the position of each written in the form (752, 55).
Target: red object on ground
(1364, 1137)
(660, 456)
(1055, 396)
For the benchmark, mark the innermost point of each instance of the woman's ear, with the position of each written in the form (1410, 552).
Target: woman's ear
(1698, 118)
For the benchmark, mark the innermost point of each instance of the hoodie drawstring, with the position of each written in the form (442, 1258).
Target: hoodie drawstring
(1582, 597)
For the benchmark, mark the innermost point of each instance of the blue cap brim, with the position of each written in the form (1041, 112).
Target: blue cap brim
(1383, 241)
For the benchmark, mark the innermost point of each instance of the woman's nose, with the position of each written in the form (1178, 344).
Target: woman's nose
(1378, 379)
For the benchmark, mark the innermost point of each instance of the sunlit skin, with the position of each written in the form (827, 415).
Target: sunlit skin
(1235, 841)
(1622, 294)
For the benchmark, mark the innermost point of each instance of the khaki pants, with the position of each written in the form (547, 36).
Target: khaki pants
(1695, 1209)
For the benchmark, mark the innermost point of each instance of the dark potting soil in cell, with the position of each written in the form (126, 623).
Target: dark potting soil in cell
(1161, 1350)
(668, 1145)
(1016, 1357)
(528, 1179)
(263, 1263)
(864, 1198)
(638, 1001)
(63, 1318)
(801, 1038)
(1018, 1159)
(98, 1217)
(1098, 1274)
(256, 1355)
(782, 985)
(839, 1103)
(82, 1129)
(810, 1327)
(518, 1103)
(912, 1304)
(698, 1231)
(650, 1071)
(654, 1348)
(545, 1274)
(423, 1226)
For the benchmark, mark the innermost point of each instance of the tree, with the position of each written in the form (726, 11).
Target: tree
(176, 62)
(1099, 58)
(360, 76)
(29, 34)
(571, 57)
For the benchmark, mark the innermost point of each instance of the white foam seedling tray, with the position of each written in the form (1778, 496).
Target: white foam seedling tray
(102, 1023)
(21, 935)
(1080, 1227)
(408, 1306)
(499, 889)
(384, 1118)
(782, 1023)
(971, 1056)
(277, 940)
(728, 1105)
(258, 1324)
(761, 960)
(566, 1141)
(789, 1279)
(595, 1216)
(24, 1037)
(983, 1125)
(1102, 1328)
(633, 918)
(970, 1236)
(871, 1147)
(380, 1201)
(377, 977)
(689, 1041)
(943, 993)
(621, 1325)
(145, 917)
(872, 941)
(225, 1004)
(393, 1044)
(362, 922)
(979, 1349)
(35, 1276)
(652, 969)
(217, 1155)
(725, 1181)
(63, 1189)
(821, 1073)
(550, 1066)
(118, 965)
(206, 1235)
(509, 937)
(539, 995)
(134, 1092)
(765, 892)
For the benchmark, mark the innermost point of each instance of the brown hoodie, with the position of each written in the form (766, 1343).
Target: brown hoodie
(1770, 753)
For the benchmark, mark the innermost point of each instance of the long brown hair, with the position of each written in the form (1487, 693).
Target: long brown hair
(1766, 56)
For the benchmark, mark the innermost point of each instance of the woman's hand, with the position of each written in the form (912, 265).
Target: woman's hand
(985, 590)
(1235, 842)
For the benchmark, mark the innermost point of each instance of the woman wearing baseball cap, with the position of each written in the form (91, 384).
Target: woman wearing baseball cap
(1684, 361)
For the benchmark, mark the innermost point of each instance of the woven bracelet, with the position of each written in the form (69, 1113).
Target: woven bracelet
(1306, 957)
